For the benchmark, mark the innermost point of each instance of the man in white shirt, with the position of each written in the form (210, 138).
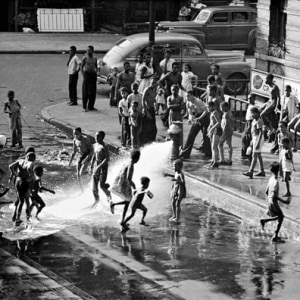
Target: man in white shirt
(167, 62)
(73, 68)
(288, 104)
(199, 120)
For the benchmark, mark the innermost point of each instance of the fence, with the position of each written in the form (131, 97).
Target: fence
(238, 106)
(60, 20)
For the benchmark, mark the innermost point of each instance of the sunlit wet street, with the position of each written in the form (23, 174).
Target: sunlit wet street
(210, 255)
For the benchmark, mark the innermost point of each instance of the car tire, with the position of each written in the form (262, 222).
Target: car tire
(238, 88)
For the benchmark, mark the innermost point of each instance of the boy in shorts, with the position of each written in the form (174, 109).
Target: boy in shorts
(257, 143)
(101, 158)
(227, 127)
(136, 202)
(123, 184)
(274, 210)
(178, 191)
(35, 188)
(287, 164)
(84, 147)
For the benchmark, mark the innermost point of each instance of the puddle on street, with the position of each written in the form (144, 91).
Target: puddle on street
(210, 246)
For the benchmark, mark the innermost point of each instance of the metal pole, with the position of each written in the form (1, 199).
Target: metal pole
(151, 22)
(16, 15)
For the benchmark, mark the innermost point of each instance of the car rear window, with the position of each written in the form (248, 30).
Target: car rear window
(124, 43)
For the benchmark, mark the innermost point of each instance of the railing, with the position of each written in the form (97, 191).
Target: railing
(238, 109)
(238, 106)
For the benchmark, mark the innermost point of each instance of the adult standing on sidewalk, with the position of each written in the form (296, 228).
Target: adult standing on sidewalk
(199, 120)
(89, 85)
(73, 64)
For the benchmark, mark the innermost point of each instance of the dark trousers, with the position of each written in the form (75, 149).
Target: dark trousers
(194, 130)
(89, 88)
(246, 139)
(73, 79)
(125, 137)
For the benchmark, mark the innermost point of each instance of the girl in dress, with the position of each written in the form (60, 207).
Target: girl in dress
(188, 77)
(146, 74)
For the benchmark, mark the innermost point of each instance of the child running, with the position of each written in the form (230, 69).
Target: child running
(287, 165)
(136, 202)
(274, 210)
(178, 191)
(35, 188)
(123, 183)
(101, 158)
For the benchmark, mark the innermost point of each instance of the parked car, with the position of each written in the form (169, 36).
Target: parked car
(185, 49)
(222, 27)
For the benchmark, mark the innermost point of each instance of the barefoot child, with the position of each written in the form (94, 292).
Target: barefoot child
(257, 144)
(137, 199)
(274, 210)
(22, 170)
(178, 191)
(84, 147)
(227, 132)
(123, 183)
(101, 158)
(287, 165)
(35, 188)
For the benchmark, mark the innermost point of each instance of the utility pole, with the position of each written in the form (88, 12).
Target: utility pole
(151, 22)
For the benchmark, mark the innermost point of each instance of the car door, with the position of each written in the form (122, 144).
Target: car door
(241, 26)
(193, 54)
(218, 34)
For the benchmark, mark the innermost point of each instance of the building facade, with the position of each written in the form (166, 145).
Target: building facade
(277, 45)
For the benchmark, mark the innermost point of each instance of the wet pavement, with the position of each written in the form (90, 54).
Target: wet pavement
(227, 179)
(76, 252)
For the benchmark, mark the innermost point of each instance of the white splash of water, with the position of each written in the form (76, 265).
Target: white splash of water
(70, 206)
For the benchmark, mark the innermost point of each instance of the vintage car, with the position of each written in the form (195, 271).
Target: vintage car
(185, 49)
(222, 27)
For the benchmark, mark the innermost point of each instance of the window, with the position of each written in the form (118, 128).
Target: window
(278, 16)
(221, 17)
(124, 43)
(202, 16)
(240, 16)
(191, 50)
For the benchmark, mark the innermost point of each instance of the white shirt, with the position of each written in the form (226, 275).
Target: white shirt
(124, 105)
(74, 65)
(170, 62)
(289, 104)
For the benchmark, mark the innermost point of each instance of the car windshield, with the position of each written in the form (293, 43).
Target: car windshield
(202, 16)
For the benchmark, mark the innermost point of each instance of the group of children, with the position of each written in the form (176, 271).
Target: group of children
(26, 175)
(123, 185)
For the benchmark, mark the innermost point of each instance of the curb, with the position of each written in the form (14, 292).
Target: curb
(68, 129)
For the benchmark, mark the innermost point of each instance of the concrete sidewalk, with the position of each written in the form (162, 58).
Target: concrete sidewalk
(225, 187)
(20, 42)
